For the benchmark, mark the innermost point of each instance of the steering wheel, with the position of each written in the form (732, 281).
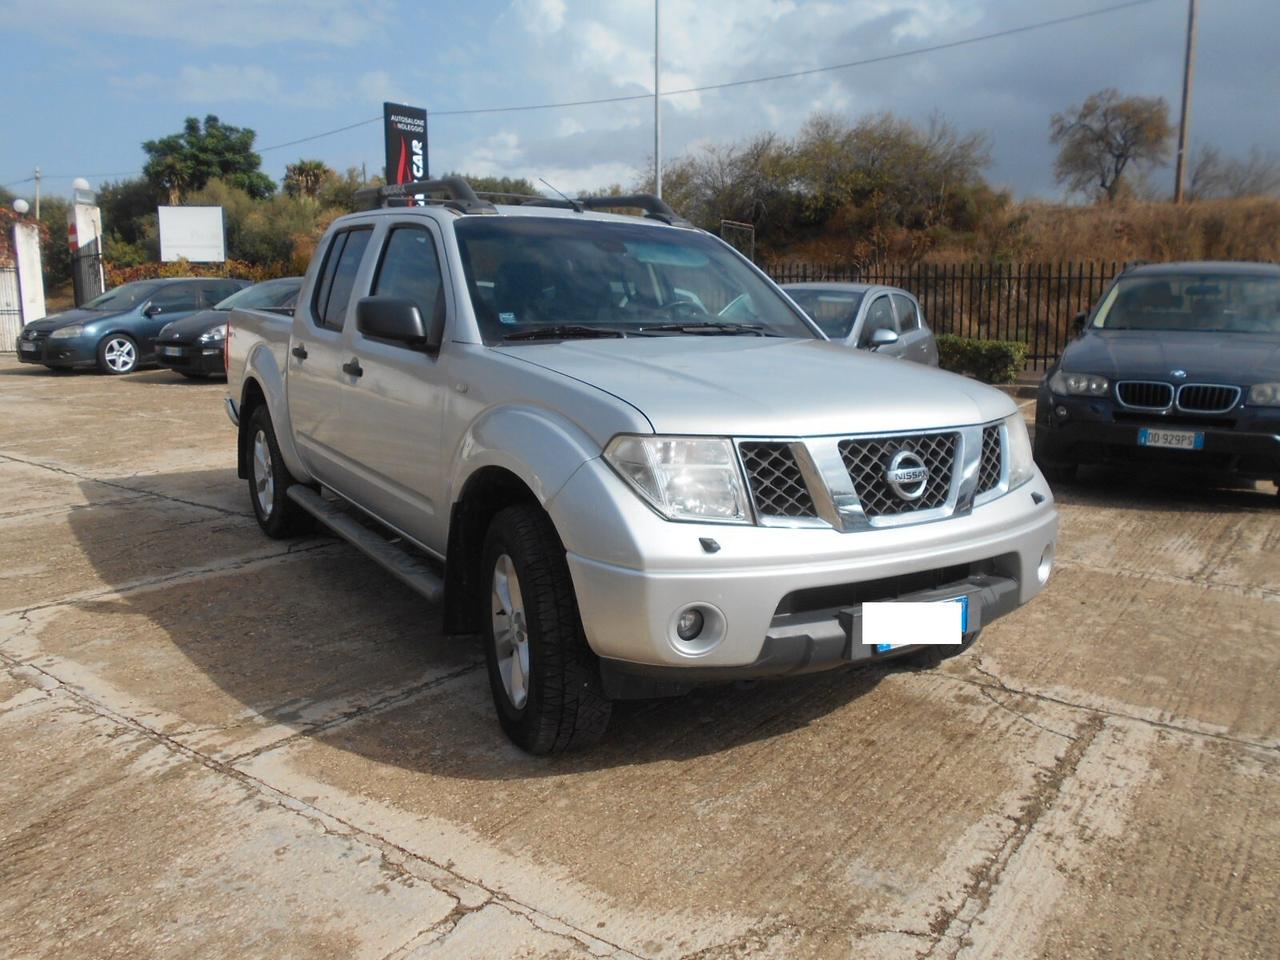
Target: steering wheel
(681, 303)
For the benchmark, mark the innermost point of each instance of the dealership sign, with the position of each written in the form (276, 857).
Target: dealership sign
(405, 129)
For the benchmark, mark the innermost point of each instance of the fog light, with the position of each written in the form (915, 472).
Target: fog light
(1060, 411)
(689, 625)
(1046, 564)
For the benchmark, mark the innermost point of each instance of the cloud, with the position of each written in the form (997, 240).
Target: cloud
(206, 84)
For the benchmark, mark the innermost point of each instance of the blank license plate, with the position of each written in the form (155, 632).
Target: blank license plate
(1174, 439)
(906, 624)
(28, 347)
(172, 351)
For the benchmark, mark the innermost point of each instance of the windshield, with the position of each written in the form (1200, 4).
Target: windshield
(264, 296)
(122, 298)
(1226, 303)
(832, 310)
(574, 277)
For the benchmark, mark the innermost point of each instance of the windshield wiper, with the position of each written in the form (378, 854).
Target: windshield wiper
(563, 331)
(708, 326)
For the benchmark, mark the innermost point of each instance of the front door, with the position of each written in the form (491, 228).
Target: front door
(393, 411)
(879, 316)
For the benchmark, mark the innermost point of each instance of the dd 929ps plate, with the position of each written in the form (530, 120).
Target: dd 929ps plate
(1171, 439)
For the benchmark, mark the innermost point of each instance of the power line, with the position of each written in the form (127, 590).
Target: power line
(627, 98)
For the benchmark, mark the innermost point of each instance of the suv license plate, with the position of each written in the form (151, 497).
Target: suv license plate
(1174, 439)
(172, 351)
(896, 623)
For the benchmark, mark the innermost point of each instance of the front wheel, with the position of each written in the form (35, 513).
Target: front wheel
(544, 678)
(269, 480)
(117, 354)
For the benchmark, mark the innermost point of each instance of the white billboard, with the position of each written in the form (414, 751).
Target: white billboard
(192, 233)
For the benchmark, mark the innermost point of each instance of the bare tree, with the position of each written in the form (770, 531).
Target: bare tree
(1214, 176)
(1107, 135)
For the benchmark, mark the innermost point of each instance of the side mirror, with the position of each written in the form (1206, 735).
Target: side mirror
(1079, 320)
(882, 338)
(400, 321)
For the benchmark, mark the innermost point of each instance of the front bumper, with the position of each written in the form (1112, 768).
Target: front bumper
(75, 352)
(1246, 444)
(774, 597)
(205, 359)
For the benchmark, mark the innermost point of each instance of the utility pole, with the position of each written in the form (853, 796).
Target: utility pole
(37, 193)
(657, 108)
(1188, 69)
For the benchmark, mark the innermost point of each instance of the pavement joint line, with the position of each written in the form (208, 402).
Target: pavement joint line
(65, 471)
(999, 684)
(189, 575)
(38, 513)
(321, 818)
(387, 702)
(1251, 593)
(953, 925)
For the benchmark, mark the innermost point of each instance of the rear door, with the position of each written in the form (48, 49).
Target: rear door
(917, 339)
(879, 316)
(317, 353)
(393, 411)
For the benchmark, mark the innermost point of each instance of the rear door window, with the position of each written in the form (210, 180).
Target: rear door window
(338, 277)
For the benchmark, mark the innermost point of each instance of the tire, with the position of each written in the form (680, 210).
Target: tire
(544, 678)
(269, 479)
(117, 354)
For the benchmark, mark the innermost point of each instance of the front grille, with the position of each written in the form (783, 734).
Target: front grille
(777, 486)
(1145, 394)
(1207, 397)
(989, 467)
(868, 460)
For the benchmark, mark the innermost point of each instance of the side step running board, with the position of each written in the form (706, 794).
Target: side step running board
(397, 559)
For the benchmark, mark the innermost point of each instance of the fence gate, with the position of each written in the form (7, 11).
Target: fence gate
(10, 310)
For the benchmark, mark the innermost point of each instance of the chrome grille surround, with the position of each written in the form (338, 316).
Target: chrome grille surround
(1207, 397)
(775, 481)
(1144, 394)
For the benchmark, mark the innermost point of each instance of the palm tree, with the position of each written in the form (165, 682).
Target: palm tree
(305, 178)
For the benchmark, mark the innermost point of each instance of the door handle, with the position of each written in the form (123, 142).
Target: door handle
(352, 368)
(300, 352)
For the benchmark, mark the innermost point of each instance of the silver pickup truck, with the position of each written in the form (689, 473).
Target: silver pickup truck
(613, 448)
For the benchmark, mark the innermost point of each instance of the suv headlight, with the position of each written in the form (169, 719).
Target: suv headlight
(1022, 466)
(217, 333)
(1078, 384)
(1265, 395)
(66, 333)
(683, 478)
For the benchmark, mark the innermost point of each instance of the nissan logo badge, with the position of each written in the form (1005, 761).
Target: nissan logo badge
(907, 475)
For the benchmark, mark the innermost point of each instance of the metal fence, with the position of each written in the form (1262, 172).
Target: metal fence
(1031, 302)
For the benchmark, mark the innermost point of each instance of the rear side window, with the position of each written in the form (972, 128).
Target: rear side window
(338, 276)
(410, 270)
(908, 315)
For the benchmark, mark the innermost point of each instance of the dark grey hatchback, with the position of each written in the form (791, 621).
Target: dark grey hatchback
(1178, 365)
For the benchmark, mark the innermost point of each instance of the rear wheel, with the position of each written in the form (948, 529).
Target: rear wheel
(117, 354)
(544, 678)
(269, 480)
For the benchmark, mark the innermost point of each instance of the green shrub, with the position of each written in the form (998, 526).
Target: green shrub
(991, 361)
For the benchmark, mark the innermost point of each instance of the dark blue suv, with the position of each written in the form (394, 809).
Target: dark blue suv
(116, 332)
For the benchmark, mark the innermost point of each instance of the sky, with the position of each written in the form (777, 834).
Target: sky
(85, 82)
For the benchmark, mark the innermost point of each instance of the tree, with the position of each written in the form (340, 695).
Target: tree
(1107, 135)
(187, 161)
(1214, 176)
(306, 177)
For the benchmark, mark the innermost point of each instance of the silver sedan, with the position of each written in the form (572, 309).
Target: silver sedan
(868, 316)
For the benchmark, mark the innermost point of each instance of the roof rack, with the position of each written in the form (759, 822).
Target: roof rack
(458, 195)
(654, 207)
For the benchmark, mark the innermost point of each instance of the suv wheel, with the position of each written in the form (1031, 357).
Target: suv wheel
(269, 480)
(544, 678)
(117, 354)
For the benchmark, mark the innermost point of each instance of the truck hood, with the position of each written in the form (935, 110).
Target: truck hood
(1239, 358)
(749, 386)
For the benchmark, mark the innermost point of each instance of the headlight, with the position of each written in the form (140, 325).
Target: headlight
(1078, 384)
(683, 478)
(1265, 395)
(217, 333)
(66, 333)
(165, 331)
(1022, 466)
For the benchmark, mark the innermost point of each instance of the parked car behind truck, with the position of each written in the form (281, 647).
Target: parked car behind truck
(194, 346)
(867, 316)
(611, 447)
